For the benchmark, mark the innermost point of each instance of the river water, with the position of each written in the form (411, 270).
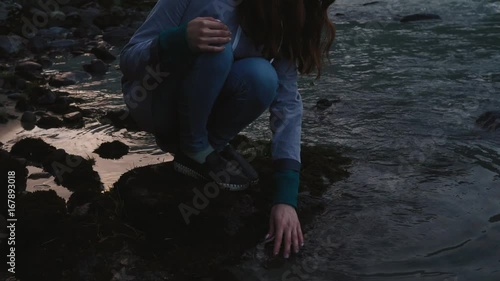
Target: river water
(425, 183)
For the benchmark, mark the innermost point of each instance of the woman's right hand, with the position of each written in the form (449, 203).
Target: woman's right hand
(206, 34)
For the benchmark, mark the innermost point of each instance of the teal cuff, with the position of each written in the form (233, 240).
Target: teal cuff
(287, 187)
(174, 48)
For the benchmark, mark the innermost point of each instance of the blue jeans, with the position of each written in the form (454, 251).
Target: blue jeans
(215, 99)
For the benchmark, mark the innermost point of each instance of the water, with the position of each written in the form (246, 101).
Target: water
(425, 181)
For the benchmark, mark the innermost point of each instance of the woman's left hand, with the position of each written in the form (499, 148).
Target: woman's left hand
(285, 226)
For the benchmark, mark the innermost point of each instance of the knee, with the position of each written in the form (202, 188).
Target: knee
(261, 80)
(219, 62)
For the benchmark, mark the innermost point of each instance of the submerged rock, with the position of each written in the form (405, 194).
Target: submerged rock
(28, 117)
(103, 54)
(323, 104)
(96, 67)
(29, 70)
(10, 45)
(419, 17)
(112, 150)
(68, 78)
(49, 122)
(489, 120)
(120, 119)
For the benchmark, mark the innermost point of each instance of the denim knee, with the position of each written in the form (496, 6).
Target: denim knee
(219, 62)
(259, 79)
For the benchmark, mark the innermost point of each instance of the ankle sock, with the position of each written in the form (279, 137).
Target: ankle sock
(200, 156)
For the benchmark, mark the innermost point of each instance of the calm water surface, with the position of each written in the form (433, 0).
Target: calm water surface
(425, 181)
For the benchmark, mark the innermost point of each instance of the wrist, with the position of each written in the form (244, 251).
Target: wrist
(286, 185)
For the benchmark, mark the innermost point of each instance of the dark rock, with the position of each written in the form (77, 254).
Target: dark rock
(68, 78)
(73, 117)
(38, 44)
(339, 14)
(419, 17)
(35, 150)
(54, 33)
(96, 68)
(63, 44)
(323, 104)
(45, 61)
(72, 171)
(371, 3)
(61, 105)
(157, 193)
(17, 96)
(29, 70)
(103, 54)
(28, 117)
(47, 99)
(3, 118)
(72, 19)
(10, 45)
(489, 120)
(62, 79)
(7, 164)
(112, 150)
(41, 175)
(49, 122)
(24, 105)
(120, 119)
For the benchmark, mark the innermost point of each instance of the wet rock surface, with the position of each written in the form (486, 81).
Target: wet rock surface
(489, 120)
(419, 17)
(112, 150)
(155, 224)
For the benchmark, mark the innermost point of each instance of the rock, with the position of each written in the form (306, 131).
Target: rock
(29, 70)
(28, 117)
(24, 105)
(37, 176)
(72, 171)
(63, 44)
(3, 117)
(371, 3)
(186, 207)
(68, 78)
(112, 150)
(31, 149)
(118, 35)
(120, 119)
(73, 19)
(9, 15)
(45, 61)
(489, 120)
(10, 45)
(61, 105)
(38, 44)
(96, 67)
(49, 122)
(103, 54)
(8, 164)
(54, 33)
(73, 117)
(17, 96)
(48, 98)
(323, 104)
(419, 17)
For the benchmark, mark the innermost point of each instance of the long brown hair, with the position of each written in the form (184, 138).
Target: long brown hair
(298, 30)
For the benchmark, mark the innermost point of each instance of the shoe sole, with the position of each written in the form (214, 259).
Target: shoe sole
(193, 174)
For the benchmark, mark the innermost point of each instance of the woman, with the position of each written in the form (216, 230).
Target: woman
(197, 72)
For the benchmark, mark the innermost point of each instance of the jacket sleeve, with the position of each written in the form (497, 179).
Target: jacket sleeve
(144, 48)
(286, 126)
(286, 119)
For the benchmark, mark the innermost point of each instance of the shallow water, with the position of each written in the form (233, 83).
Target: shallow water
(425, 181)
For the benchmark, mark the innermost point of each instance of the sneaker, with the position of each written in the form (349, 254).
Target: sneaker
(230, 154)
(215, 169)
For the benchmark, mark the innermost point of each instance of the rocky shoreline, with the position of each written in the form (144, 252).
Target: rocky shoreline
(136, 230)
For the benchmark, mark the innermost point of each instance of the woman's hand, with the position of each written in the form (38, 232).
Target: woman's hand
(206, 34)
(285, 226)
